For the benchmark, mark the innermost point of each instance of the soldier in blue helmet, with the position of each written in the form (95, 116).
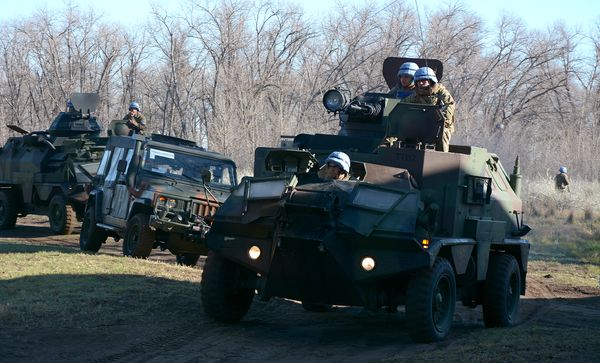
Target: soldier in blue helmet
(406, 81)
(430, 91)
(335, 167)
(561, 180)
(135, 120)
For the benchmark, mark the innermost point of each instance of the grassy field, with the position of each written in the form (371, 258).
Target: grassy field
(44, 286)
(134, 310)
(566, 225)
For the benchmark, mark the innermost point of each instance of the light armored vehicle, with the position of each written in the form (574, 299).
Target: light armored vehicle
(156, 191)
(413, 226)
(46, 172)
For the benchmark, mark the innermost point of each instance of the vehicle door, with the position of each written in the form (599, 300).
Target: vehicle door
(116, 195)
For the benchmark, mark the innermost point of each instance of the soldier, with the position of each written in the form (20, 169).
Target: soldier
(561, 180)
(429, 91)
(135, 120)
(406, 81)
(70, 107)
(336, 167)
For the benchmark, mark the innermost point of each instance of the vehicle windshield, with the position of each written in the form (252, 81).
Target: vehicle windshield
(192, 168)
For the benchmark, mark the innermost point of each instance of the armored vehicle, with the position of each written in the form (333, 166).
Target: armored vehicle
(46, 172)
(413, 226)
(156, 191)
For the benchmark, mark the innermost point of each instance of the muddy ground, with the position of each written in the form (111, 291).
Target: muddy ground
(280, 330)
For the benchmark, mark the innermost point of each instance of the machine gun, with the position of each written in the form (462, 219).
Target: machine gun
(377, 115)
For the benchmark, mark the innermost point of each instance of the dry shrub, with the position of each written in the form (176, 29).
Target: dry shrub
(571, 218)
(588, 214)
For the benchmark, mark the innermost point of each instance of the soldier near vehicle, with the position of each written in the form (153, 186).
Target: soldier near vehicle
(406, 81)
(335, 167)
(562, 180)
(430, 91)
(135, 119)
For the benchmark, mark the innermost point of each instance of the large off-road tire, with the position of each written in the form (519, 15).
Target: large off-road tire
(316, 307)
(139, 238)
(62, 216)
(91, 237)
(430, 302)
(188, 259)
(8, 209)
(502, 291)
(224, 296)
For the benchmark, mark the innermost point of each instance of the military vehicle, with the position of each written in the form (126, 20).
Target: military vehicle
(156, 191)
(46, 172)
(413, 226)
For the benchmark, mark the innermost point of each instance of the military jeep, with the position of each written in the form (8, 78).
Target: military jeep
(156, 192)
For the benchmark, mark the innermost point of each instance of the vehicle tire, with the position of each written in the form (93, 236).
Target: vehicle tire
(224, 298)
(430, 302)
(139, 238)
(502, 291)
(8, 210)
(61, 215)
(316, 307)
(188, 259)
(91, 237)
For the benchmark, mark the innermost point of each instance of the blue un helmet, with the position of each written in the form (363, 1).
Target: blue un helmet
(408, 68)
(426, 73)
(341, 159)
(134, 105)
(563, 169)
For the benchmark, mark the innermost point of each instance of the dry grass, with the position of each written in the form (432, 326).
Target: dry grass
(566, 225)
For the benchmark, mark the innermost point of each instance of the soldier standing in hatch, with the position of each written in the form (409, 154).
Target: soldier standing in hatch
(406, 81)
(429, 91)
(135, 120)
(561, 180)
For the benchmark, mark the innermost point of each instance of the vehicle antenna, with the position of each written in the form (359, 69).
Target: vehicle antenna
(421, 30)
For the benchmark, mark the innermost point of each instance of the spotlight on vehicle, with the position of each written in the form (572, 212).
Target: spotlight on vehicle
(334, 100)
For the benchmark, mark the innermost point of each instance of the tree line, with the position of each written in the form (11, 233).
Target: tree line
(233, 75)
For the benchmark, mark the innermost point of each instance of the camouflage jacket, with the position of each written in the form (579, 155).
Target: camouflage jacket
(140, 119)
(439, 96)
(400, 92)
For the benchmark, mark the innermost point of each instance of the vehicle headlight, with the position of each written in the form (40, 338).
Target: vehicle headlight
(367, 263)
(168, 203)
(254, 252)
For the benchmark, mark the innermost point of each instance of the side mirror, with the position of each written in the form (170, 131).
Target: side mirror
(206, 176)
(122, 166)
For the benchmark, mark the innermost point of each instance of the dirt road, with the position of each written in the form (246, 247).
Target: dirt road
(558, 323)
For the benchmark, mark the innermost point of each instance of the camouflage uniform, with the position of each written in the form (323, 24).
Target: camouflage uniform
(140, 119)
(438, 95)
(561, 182)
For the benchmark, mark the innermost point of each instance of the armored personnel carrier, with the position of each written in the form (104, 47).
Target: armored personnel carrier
(156, 192)
(46, 172)
(413, 226)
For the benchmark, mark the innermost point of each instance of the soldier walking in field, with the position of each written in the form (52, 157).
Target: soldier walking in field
(561, 180)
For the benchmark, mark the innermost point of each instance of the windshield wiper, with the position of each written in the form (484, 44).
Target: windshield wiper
(164, 175)
(192, 178)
